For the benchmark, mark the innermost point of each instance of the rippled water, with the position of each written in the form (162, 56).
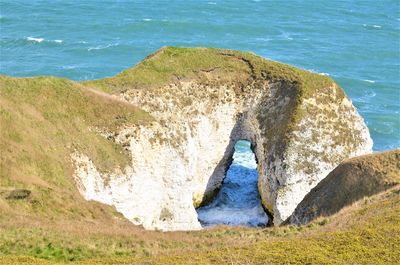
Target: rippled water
(238, 202)
(355, 42)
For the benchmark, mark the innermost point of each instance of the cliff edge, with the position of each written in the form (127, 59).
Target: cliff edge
(155, 141)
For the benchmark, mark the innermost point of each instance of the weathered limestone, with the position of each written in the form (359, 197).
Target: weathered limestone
(299, 129)
(352, 180)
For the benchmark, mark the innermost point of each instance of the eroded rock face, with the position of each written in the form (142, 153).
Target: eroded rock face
(179, 161)
(352, 180)
(329, 130)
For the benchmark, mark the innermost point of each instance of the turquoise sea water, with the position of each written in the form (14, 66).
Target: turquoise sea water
(238, 201)
(355, 42)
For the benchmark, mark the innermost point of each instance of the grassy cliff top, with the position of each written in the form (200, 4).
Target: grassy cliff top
(42, 121)
(170, 64)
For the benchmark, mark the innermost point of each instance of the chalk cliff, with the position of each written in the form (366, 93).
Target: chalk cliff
(301, 126)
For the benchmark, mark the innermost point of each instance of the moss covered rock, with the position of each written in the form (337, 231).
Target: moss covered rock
(352, 180)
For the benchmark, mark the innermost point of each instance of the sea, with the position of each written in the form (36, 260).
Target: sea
(238, 202)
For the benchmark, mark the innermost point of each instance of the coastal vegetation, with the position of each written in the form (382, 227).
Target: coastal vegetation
(45, 220)
(367, 232)
(227, 66)
(44, 119)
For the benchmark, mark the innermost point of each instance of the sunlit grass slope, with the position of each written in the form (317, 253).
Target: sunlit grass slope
(45, 119)
(367, 232)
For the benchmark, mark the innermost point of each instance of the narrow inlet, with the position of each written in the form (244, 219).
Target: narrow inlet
(238, 201)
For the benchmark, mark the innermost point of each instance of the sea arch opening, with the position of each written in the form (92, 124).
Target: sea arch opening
(238, 201)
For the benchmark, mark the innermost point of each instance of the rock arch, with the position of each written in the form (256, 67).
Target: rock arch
(301, 125)
(238, 201)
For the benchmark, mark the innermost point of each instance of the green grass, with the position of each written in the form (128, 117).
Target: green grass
(172, 63)
(368, 232)
(44, 119)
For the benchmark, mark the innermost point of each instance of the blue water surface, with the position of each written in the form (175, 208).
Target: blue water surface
(355, 42)
(238, 201)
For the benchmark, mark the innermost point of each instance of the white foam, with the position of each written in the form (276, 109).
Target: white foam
(101, 47)
(38, 40)
(372, 26)
(262, 39)
(230, 216)
(368, 80)
(238, 201)
(68, 67)
(316, 72)
(147, 19)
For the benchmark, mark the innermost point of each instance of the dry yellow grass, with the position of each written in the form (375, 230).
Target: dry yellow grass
(368, 232)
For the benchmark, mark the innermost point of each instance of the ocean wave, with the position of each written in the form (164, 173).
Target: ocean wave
(102, 47)
(147, 19)
(385, 128)
(372, 26)
(40, 40)
(254, 216)
(285, 36)
(370, 94)
(368, 81)
(316, 72)
(237, 202)
(366, 98)
(69, 67)
(262, 39)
